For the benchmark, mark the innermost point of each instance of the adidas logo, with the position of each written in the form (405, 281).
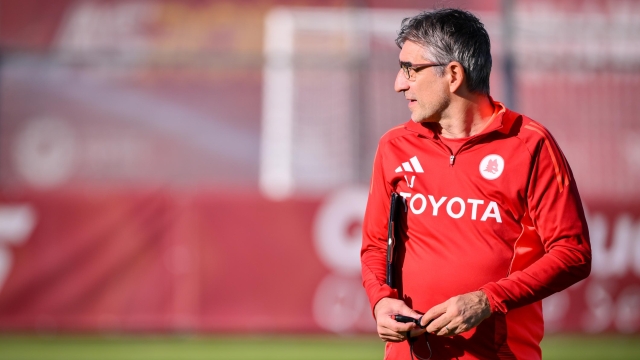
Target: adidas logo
(407, 166)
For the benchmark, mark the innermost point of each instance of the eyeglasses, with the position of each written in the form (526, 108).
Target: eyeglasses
(411, 70)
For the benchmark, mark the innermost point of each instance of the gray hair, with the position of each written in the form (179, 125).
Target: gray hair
(452, 35)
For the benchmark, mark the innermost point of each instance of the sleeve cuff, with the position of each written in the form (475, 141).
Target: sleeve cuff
(492, 290)
(382, 292)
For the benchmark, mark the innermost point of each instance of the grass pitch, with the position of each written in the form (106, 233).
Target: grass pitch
(189, 348)
(14, 347)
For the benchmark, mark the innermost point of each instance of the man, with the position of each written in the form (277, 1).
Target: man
(493, 222)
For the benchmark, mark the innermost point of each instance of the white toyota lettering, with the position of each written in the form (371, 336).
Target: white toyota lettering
(492, 210)
(435, 204)
(405, 195)
(474, 208)
(424, 204)
(450, 208)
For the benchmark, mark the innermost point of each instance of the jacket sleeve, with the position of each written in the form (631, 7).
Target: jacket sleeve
(556, 213)
(374, 235)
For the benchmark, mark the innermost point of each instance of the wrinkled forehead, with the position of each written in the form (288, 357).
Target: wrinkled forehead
(413, 52)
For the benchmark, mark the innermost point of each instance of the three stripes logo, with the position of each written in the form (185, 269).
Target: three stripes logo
(413, 165)
(406, 166)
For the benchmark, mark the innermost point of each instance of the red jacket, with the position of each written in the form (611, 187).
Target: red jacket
(502, 215)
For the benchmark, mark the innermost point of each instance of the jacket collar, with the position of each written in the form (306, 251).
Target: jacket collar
(501, 120)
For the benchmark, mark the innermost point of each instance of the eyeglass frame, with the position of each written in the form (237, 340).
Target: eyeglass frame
(415, 67)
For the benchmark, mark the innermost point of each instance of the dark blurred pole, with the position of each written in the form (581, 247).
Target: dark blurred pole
(359, 109)
(1, 73)
(508, 58)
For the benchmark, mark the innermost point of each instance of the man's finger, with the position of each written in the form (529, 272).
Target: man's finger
(407, 311)
(391, 330)
(400, 327)
(439, 323)
(388, 335)
(417, 332)
(391, 339)
(433, 313)
(446, 330)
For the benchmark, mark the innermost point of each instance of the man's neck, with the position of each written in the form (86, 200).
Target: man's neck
(466, 116)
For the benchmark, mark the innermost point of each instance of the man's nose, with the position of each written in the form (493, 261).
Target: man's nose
(401, 84)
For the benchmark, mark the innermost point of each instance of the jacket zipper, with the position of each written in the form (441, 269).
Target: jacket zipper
(452, 156)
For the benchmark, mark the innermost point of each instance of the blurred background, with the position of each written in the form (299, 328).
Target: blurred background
(200, 167)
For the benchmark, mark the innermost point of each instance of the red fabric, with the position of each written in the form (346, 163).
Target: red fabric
(519, 237)
(165, 260)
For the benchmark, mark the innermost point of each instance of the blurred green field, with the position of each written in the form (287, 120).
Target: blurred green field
(48, 347)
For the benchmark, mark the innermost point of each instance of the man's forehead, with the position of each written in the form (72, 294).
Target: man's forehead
(412, 52)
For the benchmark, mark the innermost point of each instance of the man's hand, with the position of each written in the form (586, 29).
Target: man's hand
(388, 328)
(458, 314)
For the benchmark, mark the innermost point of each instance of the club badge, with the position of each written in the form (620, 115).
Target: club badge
(491, 166)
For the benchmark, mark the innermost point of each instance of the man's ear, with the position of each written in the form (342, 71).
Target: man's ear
(456, 76)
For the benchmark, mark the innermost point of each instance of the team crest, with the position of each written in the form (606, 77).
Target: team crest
(491, 166)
